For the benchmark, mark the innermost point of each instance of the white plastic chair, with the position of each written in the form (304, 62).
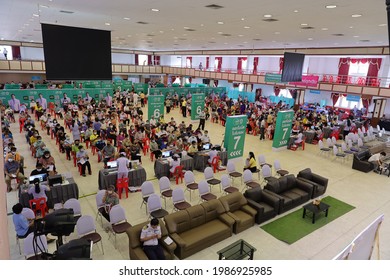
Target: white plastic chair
(86, 229)
(33, 247)
(74, 204)
(248, 180)
(165, 188)
(204, 191)
(147, 189)
(278, 168)
(233, 173)
(267, 174)
(179, 201)
(209, 177)
(155, 208)
(100, 205)
(118, 220)
(189, 181)
(322, 148)
(226, 184)
(337, 154)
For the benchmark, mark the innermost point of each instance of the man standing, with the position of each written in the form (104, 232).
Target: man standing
(5, 52)
(202, 120)
(42, 101)
(184, 108)
(150, 235)
(65, 101)
(14, 104)
(108, 99)
(87, 99)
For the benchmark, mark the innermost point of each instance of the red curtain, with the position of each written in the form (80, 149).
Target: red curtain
(255, 63)
(239, 65)
(156, 60)
(276, 91)
(335, 98)
(281, 64)
(136, 59)
(207, 63)
(173, 78)
(16, 53)
(366, 100)
(219, 66)
(343, 70)
(373, 69)
(215, 83)
(149, 59)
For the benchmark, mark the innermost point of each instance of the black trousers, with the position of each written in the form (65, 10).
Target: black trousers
(154, 252)
(202, 124)
(184, 111)
(85, 165)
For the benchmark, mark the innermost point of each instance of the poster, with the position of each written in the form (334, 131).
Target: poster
(283, 127)
(155, 106)
(197, 105)
(235, 131)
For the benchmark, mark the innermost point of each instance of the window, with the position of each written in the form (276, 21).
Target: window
(8, 52)
(285, 93)
(358, 69)
(344, 103)
(142, 59)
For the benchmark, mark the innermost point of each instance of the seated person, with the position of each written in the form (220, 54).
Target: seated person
(83, 160)
(38, 191)
(135, 151)
(174, 163)
(155, 149)
(23, 227)
(212, 154)
(193, 149)
(150, 235)
(48, 162)
(251, 163)
(12, 171)
(108, 152)
(110, 199)
(39, 170)
(205, 137)
(377, 160)
(17, 156)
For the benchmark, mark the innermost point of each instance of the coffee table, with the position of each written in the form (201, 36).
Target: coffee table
(315, 210)
(239, 250)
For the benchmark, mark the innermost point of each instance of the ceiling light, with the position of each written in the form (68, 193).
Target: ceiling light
(20, 30)
(295, 11)
(201, 24)
(1, 38)
(44, 6)
(383, 24)
(225, 43)
(304, 24)
(161, 31)
(107, 23)
(356, 36)
(35, 15)
(240, 35)
(220, 22)
(32, 41)
(277, 33)
(26, 24)
(242, 18)
(247, 27)
(310, 39)
(351, 27)
(128, 35)
(324, 28)
(267, 16)
(186, 27)
(219, 32)
(126, 18)
(155, 10)
(330, 6)
(356, 15)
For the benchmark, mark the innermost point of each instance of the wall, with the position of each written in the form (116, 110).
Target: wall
(19, 77)
(28, 53)
(325, 65)
(122, 58)
(316, 98)
(268, 64)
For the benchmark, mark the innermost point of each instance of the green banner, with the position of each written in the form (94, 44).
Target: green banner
(140, 87)
(283, 127)
(187, 90)
(235, 131)
(155, 106)
(197, 105)
(273, 78)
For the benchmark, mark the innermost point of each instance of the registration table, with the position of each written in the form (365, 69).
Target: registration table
(201, 160)
(108, 177)
(161, 167)
(57, 194)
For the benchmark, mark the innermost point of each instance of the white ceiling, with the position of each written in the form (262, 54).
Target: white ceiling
(166, 29)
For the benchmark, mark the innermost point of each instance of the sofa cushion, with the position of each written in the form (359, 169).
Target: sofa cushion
(292, 195)
(204, 233)
(178, 222)
(212, 209)
(196, 214)
(304, 195)
(305, 173)
(233, 202)
(267, 208)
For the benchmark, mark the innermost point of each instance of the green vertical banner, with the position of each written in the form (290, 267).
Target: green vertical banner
(235, 131)
(155, 106)
(283, 127)
(197, 105)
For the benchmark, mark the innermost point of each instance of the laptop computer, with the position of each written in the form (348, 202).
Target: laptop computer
(112, 164)
(166, 154)
(41, 177)
(207, 146)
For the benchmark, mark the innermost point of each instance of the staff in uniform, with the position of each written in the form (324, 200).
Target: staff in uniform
(42, 101)
(150, 235)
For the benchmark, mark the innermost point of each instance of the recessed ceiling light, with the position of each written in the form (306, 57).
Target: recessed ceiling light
(161, 31)
(126, 18)
(351, 27)
(295, 11)
(201, 24)
(1, 38)
(324, 28)
(383, 24)
(225, 43)
(240, 35)
(356, 15)
(277, 33)
(128, 35)
(247, 27)
(331, 6)
(267, 16)
(107, 23)
(356, 36)
(219, 32)
(32, 41)
(44, 6)
(20, 30)
(310, 39)
(35, 15)
(242, 18)
(304, 24)
(155, 10)
(220, 22)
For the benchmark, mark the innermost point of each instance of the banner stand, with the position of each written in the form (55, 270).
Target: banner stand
(283, 128)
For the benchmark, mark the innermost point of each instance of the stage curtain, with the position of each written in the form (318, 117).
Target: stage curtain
(255, 63)
(343, 70)
(216, 83)
(189, 62)
(219, 66)
(373, 69)
(366, 101)
(156, 60)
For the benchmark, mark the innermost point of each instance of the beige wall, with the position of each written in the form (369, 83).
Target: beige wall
(19, 77)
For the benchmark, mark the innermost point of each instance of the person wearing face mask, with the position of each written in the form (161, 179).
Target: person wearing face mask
(48, 162)
(38, 191)
(205, 137)
(12, 171)
(154, 149)
(68, 146)
(39, 170)
(83, 160)
(110, 199)
(17, 157)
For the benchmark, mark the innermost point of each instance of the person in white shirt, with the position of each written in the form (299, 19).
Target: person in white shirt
(42, 101)
(205, 138)
(135, 98)
(377, 160)
(14, 103)
(123, 164)
(212, 154)
(174, 163)
(192, 139)
(108, 99)
(150, 235)
(87, 99)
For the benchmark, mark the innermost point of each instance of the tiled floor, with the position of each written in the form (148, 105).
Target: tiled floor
(369, 193)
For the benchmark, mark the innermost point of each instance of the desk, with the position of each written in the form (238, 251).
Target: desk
(201, 160)
(108, 177)
(161, 167)
(57, 194)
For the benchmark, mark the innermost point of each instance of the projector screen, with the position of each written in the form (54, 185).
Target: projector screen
(73, 53)
(292, 67)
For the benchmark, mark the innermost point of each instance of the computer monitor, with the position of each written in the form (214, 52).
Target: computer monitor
(41, 177)
(112, 164)
(134, 164)
(166, 154)
(207, 146)
(54, 180)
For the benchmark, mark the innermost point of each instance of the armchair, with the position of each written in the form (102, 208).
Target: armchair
(266, 204)
(319, 183)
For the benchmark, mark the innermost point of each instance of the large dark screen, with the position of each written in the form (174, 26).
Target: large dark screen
(292, 67)
(73, 53)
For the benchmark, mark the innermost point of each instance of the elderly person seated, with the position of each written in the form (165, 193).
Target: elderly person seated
(12, 171)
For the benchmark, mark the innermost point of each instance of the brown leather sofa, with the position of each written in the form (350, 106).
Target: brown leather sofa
(319, 183)
(266, 204)
(237, 207)
(135, 245)
(199, 227)
(292, 191)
